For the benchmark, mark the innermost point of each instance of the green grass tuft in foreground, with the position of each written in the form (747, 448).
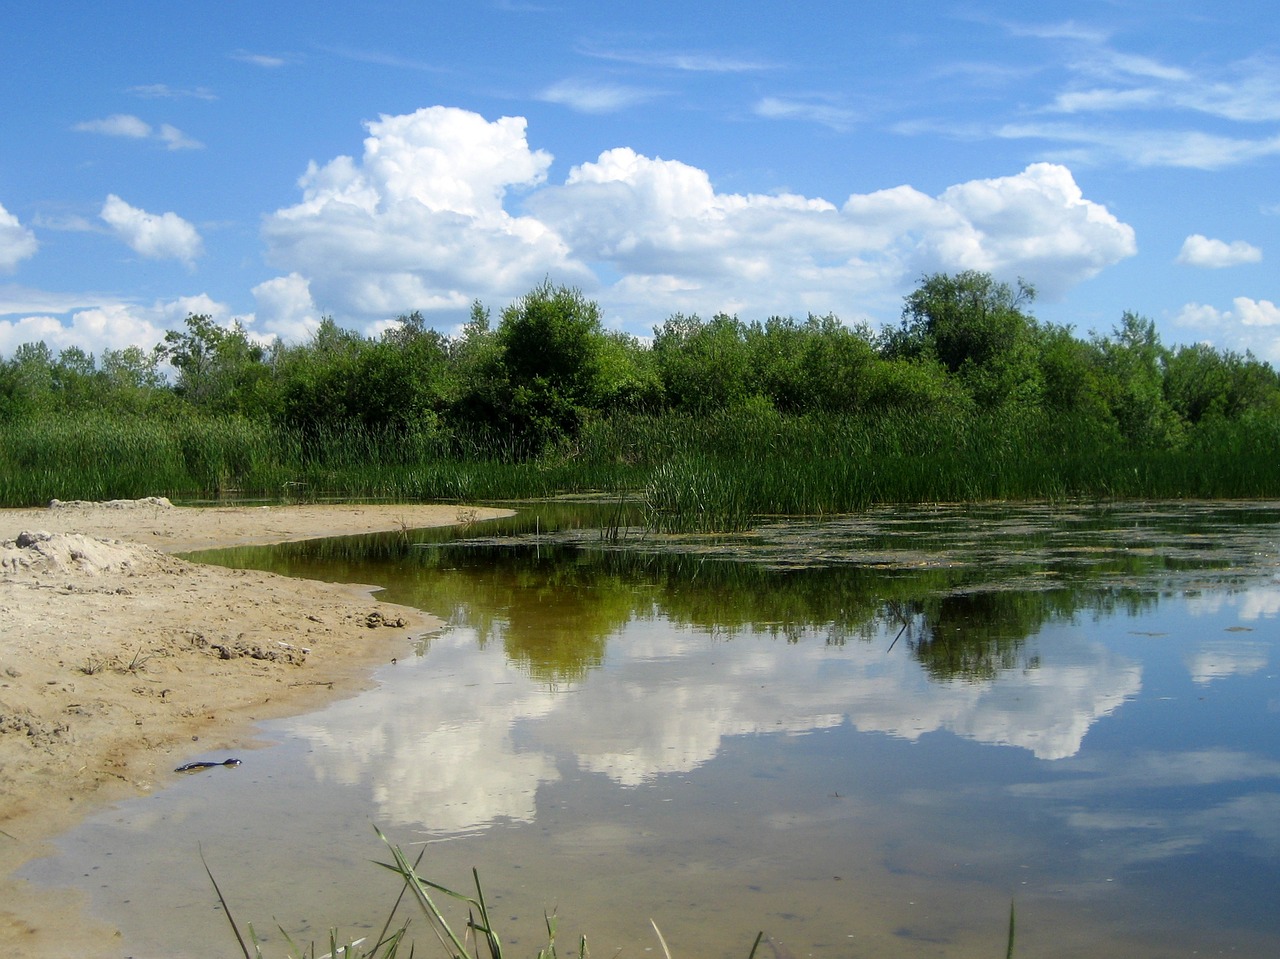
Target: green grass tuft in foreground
(476, 939)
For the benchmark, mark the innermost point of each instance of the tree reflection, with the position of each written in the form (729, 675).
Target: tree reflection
(554, 602)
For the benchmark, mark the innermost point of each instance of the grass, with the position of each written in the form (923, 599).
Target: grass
(477, 938)
(693, 474)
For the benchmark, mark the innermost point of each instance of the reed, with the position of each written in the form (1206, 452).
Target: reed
(473, 938)
(719, 472)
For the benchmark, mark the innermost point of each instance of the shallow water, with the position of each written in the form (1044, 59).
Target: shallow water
(865, 736)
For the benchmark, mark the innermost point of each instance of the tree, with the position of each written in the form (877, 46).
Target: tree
(219, 368)
(1134, 365)
(1201, 382)
(704, 365)
(975, 326)
(537, 378)
(26, 381)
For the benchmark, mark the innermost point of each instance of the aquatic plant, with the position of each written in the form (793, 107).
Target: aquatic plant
(465, 942)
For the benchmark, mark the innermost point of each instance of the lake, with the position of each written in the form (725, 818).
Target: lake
(867, 736)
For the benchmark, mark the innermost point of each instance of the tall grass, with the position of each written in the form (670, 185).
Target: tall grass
(714, 473)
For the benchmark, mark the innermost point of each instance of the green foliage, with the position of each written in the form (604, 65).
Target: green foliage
(1133, 362)
(218, 368)
(716, 422)
(975, 326)
(339, 379)
(704, 365)
(550, 368)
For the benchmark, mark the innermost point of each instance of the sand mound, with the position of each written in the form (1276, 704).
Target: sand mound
(38, 551)
(147, 502)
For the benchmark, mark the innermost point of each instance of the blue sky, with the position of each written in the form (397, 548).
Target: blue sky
(280, 162)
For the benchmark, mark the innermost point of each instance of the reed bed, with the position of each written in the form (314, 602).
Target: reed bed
(710, 473)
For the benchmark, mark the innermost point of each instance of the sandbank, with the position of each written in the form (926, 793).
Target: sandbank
(120, 661)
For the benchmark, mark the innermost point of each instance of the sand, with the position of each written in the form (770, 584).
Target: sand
(120, 661)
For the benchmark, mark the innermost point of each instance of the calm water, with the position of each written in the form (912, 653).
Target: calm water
(865, 736)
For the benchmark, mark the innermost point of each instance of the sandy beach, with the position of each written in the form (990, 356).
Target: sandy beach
(120, 661)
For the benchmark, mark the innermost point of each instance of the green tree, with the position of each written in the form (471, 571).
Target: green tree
(704, 365)
(1201, 382)
(1072, 374)
(218, 368)
(977, 328)
(27, 380)
(820, 365)
(546, 369)
(1134, 365)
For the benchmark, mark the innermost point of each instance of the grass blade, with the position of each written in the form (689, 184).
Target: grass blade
(1009, 952)
(225, 908)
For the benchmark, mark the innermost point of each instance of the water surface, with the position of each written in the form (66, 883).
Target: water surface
(864, 735)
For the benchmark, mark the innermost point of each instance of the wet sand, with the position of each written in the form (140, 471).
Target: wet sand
(120, 661)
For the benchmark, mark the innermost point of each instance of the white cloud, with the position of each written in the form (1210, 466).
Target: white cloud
(419, 221)
(110, 325)
(1250, 325)
(587, 97)
(95, 322)
(285, 307)
(175, 139)
(816, 110)
(263, 60)
(1198, 250)
(162, 91)
(1246, 92)
(17, 243)
(698, 62)
(1256, 312)
(157, 237)
(1149, 148)
(117, 125)
(662, 223)
(135, 128)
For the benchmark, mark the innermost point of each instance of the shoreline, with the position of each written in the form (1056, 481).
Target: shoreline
(120, 661)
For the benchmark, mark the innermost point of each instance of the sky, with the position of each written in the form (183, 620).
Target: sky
(277, 163)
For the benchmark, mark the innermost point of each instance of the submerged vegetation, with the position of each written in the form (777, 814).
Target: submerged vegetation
(711, 424)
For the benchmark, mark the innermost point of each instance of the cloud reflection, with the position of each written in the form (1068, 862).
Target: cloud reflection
(463, 739)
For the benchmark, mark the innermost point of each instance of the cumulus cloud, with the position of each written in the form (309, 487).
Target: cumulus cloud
(421, 221)
(1249, 325)
(285, 307)
(94, 322)
(16, 241)
(662, 223)
(93, 328)
(1256, 312)
(135, 128)
(1198, 250)
(157, 237)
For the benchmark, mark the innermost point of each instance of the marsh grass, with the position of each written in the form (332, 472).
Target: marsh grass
(715, 473)
(475, 938)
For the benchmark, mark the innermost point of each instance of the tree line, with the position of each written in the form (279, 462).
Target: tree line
(966, 345)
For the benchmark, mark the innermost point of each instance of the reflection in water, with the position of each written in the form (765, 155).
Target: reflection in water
(664, 701)
(908, 716)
